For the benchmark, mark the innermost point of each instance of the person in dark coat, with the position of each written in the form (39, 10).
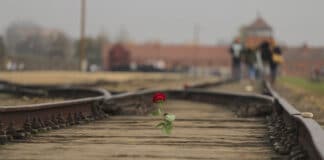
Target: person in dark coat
(266, 56)
(276, 60)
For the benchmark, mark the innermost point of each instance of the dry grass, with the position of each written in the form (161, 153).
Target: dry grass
(304, 100)
(12, 100)
(126, 81)
(63, 77)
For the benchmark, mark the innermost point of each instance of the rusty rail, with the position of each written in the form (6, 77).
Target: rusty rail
(18, 122)
(290, 133)
(140, 102)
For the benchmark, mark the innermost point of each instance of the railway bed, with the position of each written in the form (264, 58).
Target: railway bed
(209, 125)
(202, 131)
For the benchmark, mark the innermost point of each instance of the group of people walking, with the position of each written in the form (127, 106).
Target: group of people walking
(261, 62)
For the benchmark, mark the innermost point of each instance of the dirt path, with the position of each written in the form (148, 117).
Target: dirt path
(244, 86)
(202, 131)
(114, 81)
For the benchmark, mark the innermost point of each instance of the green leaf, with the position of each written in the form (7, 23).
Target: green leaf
(162, 124)
(170, 117)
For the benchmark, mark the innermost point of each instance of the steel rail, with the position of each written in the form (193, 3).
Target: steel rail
(19, 122)
(211, 84)
(290, 133)
(243, 104)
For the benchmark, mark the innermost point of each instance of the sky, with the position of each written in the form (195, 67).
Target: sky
(295, 22)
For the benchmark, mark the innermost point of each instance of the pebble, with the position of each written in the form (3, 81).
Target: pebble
(307, 114)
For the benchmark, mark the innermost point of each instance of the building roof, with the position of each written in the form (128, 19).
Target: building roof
(259, 23)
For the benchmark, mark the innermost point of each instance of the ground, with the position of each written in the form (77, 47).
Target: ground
(220, 132)
(12, 100)
(201, 131)
(114, 81)
(304, 94)
(243, 86)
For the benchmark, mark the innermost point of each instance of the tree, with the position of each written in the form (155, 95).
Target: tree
(30, 38)
(19, 33)
(93, 48)
(59, 45)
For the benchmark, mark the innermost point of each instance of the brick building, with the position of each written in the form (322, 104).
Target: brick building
(299, 61)
(171, 56)
(118, 58)
(183, 55)
(256, 32)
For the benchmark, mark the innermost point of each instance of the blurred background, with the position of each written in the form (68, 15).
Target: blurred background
(175, 42)
(181, 35)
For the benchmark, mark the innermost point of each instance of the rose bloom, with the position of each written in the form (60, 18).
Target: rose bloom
(158, 97)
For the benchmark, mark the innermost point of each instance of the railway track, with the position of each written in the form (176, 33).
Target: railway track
(210, 125)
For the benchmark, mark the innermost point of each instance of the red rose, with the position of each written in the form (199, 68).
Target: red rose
(158, 97)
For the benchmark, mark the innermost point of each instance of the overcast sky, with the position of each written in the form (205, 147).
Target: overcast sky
(172, 21)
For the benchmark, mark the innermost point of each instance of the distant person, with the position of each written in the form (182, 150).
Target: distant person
(250, 61)
(266, 57)
(235, 50)
(276, 60)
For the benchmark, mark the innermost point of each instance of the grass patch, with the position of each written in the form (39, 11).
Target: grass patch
(302, 83)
